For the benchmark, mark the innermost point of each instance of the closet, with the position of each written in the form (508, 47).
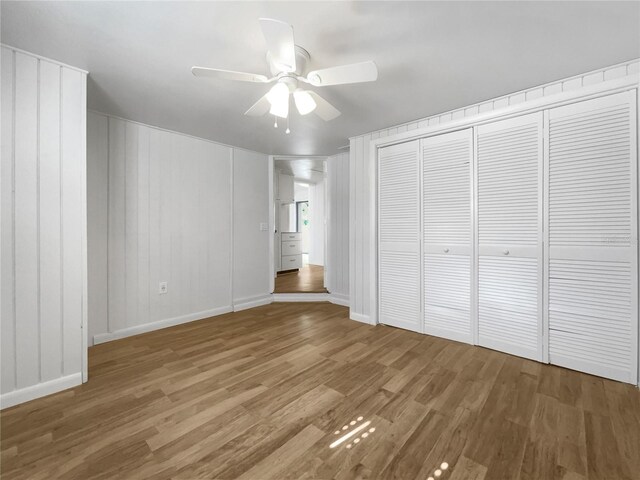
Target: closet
(592, 236)
(446, 234)
(518, 234)
(509, 185)
(399, 236)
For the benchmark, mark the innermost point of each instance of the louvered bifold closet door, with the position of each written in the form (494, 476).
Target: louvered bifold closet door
(446, 233)
(399, 236)
(592, 237)
(509, 223)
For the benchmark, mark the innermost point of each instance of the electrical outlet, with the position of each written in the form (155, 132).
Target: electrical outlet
(162, 288)
(264, 227)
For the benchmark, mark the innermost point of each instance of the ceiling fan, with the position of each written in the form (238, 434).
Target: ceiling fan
(287, 62)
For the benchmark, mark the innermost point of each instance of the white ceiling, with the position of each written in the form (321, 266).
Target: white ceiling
(432, 57)
(310, 170)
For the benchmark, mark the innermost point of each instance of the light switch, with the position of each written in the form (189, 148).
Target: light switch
(264, 227)
(163, 288)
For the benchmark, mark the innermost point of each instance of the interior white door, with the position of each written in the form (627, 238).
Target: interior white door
(509, 232)
(446, 232)
(592, 237)
(399, 236)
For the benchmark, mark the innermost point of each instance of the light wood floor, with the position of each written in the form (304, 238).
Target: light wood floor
(309, 279)
(262, 394)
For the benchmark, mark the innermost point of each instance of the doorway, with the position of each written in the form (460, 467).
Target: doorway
(299, 238)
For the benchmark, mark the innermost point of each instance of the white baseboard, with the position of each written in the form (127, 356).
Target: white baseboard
(339, 299)
(301, 297)
(167, 322)
(358, 317)
(251, 302)
(10, 399)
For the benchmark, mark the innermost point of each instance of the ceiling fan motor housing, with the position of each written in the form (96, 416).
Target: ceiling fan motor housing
(302, 58)
(290, 81)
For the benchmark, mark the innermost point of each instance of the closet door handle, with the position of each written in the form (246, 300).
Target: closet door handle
(446, 250)
(506, 252)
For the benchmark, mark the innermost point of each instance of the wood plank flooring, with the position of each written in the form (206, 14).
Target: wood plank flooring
(263, 393)
(309, 279)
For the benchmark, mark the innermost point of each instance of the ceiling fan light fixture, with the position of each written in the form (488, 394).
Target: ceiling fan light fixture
(278, 97)
(304, 102)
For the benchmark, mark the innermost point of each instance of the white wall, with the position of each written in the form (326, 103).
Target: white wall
(169, 219)
(43, 254)
(362, 176)
(98, 223)
(250, 244)
(317, 222)
(301, 192)
(337, 264)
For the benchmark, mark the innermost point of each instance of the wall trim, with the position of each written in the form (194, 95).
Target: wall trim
(47, 59)
(26, 394)
(301, 297)
(160, 324)
(575, 82)
(604, 88)
(339, 299)
(358, 317)
(251, 302)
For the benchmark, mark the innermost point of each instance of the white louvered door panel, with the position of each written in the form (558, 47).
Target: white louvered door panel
(592, 237)
(446, 226)
(399, 236)
(509, 231)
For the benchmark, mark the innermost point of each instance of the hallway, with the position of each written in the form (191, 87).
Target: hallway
(309, 279)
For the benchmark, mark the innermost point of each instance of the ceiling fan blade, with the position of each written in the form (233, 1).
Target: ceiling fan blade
(228, 75)
(353, 73)
(280, 43)
(324, 109)
(259, 108)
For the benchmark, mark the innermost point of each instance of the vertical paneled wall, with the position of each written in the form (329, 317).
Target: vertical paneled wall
(337, 268)
(361, 249)
(317, 203)
(251, 282)
(164, 203)
(362, 174)
(43, 249)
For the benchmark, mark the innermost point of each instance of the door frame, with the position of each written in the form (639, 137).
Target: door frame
(275, 237)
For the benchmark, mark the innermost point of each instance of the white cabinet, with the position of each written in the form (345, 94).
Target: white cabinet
(592, 237)
(291, 248)
(446, 233)
(399, 235)
(509, 226)
(286, 193)
(291, 262)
